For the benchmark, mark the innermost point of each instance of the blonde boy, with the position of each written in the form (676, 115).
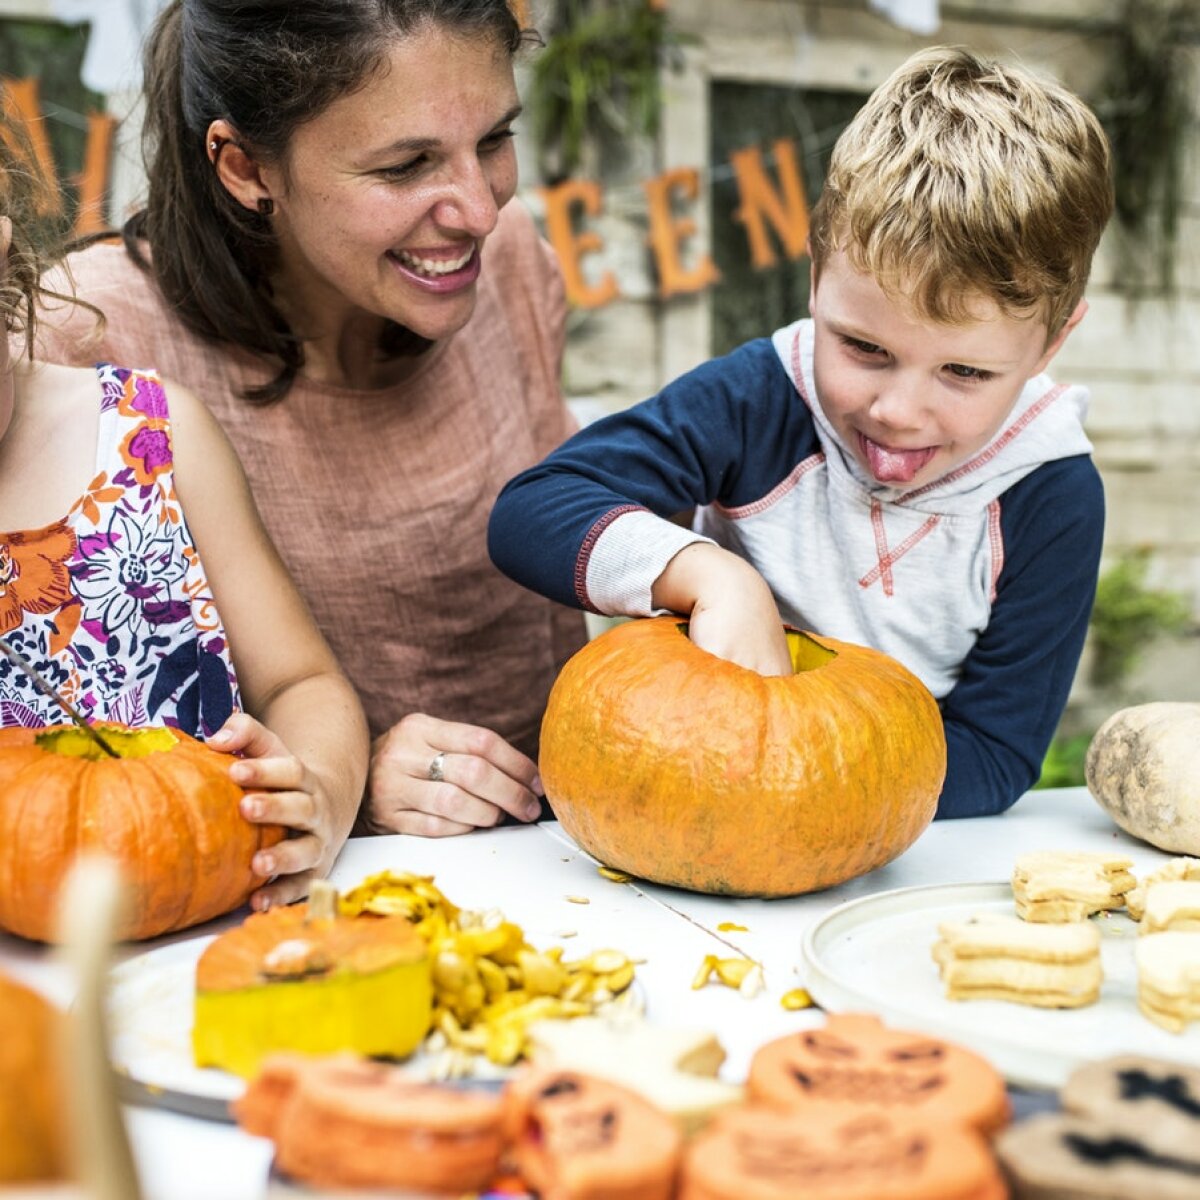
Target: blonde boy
(896, 470)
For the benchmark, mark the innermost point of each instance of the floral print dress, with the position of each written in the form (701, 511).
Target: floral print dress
(111, 605)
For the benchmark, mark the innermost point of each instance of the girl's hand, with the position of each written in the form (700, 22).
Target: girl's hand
(280, 790)
(434, 778)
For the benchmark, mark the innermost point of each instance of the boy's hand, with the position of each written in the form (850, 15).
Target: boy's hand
(435, 778)
(280, 790)
(731, 612)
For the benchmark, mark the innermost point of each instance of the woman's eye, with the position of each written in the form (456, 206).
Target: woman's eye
(961, 371)
(402, 170)
(496, 140)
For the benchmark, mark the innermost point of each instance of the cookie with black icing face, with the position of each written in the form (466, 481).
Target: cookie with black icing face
(855, 1063)
(1131, 1131)
(751, 1153)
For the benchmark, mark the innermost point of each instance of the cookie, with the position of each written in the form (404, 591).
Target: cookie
(1174, 904)
(1168, 970)
(1131, 1131)
(575, 1137)
(751, 1153)
(675, 1069)
(1060, 885)
(1172, 869)
(352, 1123)
(855, 1064)
(996, 957)
(257, 1109)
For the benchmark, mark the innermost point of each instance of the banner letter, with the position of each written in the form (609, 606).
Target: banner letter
(666, 234)
(788, 215)
(570, 246)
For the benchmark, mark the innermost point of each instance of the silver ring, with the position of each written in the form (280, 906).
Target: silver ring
(435, 767)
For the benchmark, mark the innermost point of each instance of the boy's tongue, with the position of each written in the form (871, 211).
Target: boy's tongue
(895, 466)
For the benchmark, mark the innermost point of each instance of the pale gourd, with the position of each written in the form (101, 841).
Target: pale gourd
(1143, 766)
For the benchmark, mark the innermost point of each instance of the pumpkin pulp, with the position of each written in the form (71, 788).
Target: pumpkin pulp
(806, 653)
(72, 742)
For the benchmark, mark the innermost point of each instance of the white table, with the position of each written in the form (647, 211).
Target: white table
(529, 873)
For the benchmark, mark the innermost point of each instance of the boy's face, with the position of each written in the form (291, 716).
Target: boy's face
(913, 399)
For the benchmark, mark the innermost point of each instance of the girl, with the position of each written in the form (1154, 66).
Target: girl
(137, 578)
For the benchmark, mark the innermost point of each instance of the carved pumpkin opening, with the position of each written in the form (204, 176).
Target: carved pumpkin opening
(128, 743)
(807, 654)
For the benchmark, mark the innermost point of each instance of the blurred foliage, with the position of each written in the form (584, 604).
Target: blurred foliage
(597, 76)
(1063, 766)
(1127, 615)
(1145, 103)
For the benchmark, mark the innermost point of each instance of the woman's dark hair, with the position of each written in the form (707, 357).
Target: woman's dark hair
(266, 67)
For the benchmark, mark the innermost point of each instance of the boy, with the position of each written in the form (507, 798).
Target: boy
(897, 470)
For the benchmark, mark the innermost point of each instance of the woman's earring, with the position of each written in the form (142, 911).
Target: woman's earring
(266, 206)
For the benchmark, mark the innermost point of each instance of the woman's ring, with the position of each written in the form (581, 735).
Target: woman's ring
(435, 767)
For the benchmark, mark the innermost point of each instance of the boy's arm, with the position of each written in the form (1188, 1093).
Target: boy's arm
(588, 526)
(1002, 713)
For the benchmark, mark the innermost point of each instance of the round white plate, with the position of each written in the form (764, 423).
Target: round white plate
(874, 955)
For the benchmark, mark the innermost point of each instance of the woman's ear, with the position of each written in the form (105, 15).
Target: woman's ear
(237, 170)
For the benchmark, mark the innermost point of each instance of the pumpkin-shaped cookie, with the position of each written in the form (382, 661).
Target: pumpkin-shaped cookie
(166, 811)
(31, 1099)
(855, 1063)
(763, 1154)
(282, 981)
(575, 1137)
(677, 766)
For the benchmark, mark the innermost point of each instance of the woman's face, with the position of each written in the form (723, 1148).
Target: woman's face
(387, 196)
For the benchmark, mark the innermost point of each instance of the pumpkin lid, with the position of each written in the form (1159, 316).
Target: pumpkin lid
(283, 945)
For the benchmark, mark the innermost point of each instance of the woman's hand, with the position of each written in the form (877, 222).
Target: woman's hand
(434, 778)
(731, 612)
(280, 790)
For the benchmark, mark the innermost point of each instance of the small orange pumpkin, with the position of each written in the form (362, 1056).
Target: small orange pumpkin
(165, 810)
(665, 761)
(31, 1102)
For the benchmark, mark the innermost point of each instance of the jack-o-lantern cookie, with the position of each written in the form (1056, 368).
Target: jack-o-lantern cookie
(1131, 1131)
(765, 1154)
(352, 1123)
(576, 1137)
(855, 1063)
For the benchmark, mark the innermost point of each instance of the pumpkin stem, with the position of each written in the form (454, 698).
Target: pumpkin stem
(322, 901)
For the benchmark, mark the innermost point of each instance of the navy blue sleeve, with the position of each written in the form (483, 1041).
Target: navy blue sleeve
(1002, 713)
(728, 431)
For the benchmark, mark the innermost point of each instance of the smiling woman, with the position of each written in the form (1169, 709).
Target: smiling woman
(329, 258)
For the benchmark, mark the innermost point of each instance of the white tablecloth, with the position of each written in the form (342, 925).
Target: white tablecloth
(529, 873)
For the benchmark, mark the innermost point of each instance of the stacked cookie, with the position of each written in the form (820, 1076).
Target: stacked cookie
(1056, 885)
(1130, 1130)
(996, 957)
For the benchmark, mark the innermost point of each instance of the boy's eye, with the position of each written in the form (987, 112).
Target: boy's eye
(860, 346)
(962, 371)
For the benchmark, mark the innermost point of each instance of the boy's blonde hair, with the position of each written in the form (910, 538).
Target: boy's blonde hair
(961, 177)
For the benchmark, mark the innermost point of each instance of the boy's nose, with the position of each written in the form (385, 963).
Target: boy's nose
(899, 404)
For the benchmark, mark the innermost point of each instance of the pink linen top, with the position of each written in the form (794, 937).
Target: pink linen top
(378, 500)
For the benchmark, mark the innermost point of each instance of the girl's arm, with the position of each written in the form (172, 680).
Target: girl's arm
(305, 765)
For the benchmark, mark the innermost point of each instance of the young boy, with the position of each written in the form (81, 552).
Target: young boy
(896, 471)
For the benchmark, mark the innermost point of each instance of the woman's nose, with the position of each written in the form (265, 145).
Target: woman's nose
(470, 203)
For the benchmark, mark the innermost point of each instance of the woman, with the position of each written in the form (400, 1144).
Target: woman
(324, 259)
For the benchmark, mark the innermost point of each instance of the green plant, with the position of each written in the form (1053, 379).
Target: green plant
(1063, 765)
(597, 75)
(1145, 102)
(1127, 615)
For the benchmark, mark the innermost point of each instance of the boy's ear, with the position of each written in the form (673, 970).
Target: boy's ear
(1056, 342)
(812, 273)
(238, 171)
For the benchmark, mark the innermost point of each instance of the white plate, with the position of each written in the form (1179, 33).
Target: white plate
(874, 954)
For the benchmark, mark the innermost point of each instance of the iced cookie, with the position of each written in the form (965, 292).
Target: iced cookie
(675, 1069)
(1173, 869)
(754, 1153)
(1061, 885)
(995, 957)
(1131, 1132)
(359, 1124)
(1168, 970)
(1171, 905)
(576, 1137)
(855, 1064)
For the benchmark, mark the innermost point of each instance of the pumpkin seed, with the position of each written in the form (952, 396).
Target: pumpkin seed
(796, 999)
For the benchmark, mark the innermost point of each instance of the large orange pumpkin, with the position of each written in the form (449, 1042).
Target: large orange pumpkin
(31, 1101)
(165, 810)
(677, 766)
